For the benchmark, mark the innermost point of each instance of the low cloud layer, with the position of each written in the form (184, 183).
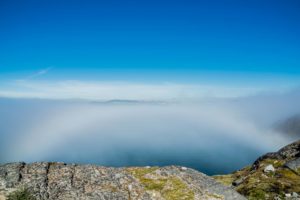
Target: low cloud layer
(124, 90)
(213, 135)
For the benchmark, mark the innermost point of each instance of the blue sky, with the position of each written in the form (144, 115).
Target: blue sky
(187, 42)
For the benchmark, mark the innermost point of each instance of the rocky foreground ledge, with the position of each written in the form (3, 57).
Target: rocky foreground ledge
(274, 175)
(47, 180)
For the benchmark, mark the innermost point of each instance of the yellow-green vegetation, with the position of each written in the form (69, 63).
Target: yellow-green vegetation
(298, 170)
(269, 185)
(225, 179)
(257, 194)
(274, 162)
(148, 183)
(177, 190)
(260, 185)
(21, 194)
(228, 179)
(215, 196)
(170, 187)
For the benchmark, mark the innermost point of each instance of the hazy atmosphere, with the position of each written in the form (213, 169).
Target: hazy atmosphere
(214, 135)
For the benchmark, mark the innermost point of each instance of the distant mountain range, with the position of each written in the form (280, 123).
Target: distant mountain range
(126, 101)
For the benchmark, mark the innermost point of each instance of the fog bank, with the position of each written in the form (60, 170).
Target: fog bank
(212, 135)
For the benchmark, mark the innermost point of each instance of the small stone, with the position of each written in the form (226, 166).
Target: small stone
(148, 167)
(277, 198)
(269, 168)
(265, 176)
(183, 168)
(129, 187)
(288, 195)
(118, 175)
(295, 194)
(238, 181)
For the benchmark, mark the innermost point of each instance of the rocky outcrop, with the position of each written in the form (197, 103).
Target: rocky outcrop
(294, 165)
(285, 154)
(272, 176)
(69, 181)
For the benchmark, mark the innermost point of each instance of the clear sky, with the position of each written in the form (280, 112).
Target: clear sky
(190, 42)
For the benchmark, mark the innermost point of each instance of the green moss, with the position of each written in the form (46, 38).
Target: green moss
(260, 185)
(289, 180)
(288, 174)
(274, 162)
(157, 184)
(225, 179)
(257, 195)
(178, 190)
(149, 184)
(141, 171)
(298, 170)
(22, 194)
(171, 188)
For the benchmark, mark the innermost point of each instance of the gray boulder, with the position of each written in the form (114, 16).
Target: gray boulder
(294, 165)
(62, 181)
(269, 168)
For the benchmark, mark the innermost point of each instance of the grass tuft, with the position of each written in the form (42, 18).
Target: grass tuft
(21, 194)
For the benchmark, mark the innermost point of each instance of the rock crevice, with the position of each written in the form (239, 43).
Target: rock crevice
(69, 181)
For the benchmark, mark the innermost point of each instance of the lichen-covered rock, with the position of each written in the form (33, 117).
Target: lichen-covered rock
(294, 165)
(61, 181)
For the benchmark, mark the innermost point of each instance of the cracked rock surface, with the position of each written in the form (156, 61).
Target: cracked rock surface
(70, 181)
